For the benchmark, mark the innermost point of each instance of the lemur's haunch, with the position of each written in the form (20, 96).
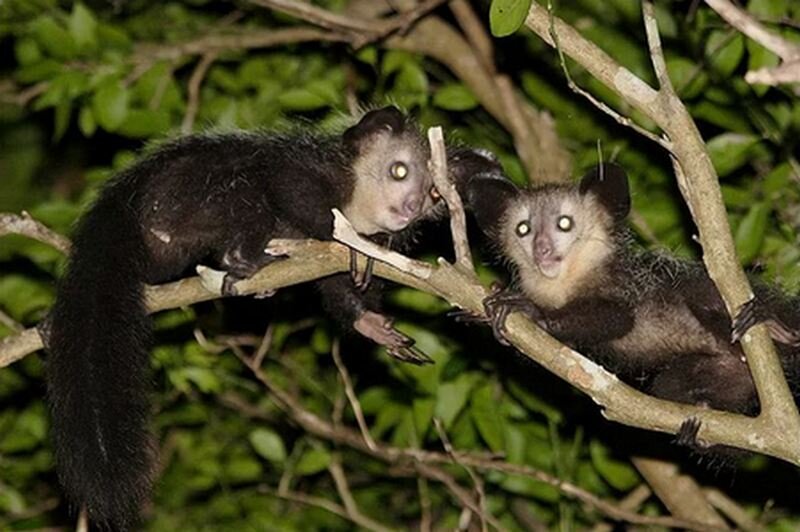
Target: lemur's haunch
(215, 199)
(655, 320)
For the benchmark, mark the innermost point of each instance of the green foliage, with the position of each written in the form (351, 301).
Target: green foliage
(104, 79)
(506, 16)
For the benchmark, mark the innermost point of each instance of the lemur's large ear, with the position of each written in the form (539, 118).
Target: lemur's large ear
(488, 198)
(465, 164)
(388, 119)
(609, 183)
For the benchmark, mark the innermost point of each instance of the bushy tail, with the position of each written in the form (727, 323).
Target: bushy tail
(97, 369)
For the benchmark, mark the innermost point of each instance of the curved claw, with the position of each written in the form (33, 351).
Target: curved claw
(360, 280)
(748, 316)
(500, 304)
(752, 313)
(380, 329)
(410, 355)
(687, 434)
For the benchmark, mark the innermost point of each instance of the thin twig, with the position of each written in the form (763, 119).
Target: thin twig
(447, 189)
(425, 519)
(264, 346)
(344, 232)
(476, 480)
(193, 90)
(23, 224)
(340, 479)
(621, 119)
(321, 502)
(351, 394)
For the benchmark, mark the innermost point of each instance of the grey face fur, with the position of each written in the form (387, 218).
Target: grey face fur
(557, 238)
(392, 183)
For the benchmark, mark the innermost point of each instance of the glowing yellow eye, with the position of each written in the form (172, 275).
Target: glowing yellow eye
(565, 223)
(399, 171)
(523, 228)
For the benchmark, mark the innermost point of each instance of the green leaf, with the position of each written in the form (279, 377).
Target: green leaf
(687, 77)
(507, 16)
(423, 415)
(268, 444)
(27, 51)
(144, 123)
(243, 469)
(411, 78)
(394, 60)
(83, 27)
(619, 474)
(313, 461)
(769, 9)
(28, 430)
(301, 99)
(11, 500)
(320, 341)
(63, 112)
(110, 105)
(730, 151)
(368, 55)
(451, 397)
(727, 118)
(455, 97)
(724, 51)
(751, 231)
(204, 379)
(86, 121)
(20, 296)
(485, 414)
(53, 38)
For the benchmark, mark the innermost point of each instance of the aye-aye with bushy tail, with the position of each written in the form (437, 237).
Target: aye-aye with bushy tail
(655, 320)
(217, 199)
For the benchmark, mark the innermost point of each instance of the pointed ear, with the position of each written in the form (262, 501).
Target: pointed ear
(465, 164)
(488, 198)
(609, 183)
(389, 119)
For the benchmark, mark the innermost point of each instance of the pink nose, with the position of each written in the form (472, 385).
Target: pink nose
(542, 246)
(412, 205)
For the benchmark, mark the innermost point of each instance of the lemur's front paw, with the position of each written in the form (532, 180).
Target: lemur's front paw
(503, 302)
(380, 329)
(754, 312)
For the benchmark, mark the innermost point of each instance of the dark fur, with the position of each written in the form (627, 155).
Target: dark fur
(206, 198)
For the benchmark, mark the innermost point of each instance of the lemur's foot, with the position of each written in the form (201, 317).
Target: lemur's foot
(754, 312)
(687, 435)
(380, 329)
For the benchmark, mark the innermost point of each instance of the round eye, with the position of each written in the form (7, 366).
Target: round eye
(523, 228)
(435, 196)
(398, 171)
(565, 223)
